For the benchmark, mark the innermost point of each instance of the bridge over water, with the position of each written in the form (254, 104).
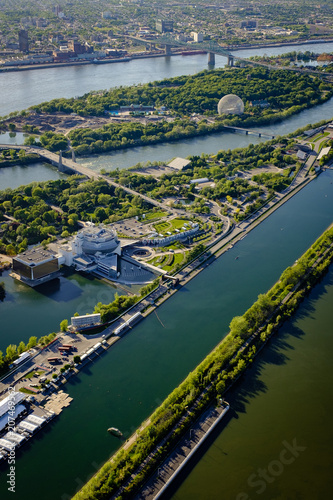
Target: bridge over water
(249, 131)
(70, 166)
(210, 46)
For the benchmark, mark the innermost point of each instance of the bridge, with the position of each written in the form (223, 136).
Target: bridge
(210, 46)
(71, 167)
(249, 131)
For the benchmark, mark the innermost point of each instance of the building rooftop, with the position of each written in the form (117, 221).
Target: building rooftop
(179, 163)
(35, 256)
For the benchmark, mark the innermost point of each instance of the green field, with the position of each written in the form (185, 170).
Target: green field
(171, 225)
(154, 215)
(167, 261)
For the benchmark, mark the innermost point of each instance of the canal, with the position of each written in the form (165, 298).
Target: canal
(126, 384)
(15, 176)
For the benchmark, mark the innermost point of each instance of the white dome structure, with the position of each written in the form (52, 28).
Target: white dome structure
(94, 239)
(230, 104)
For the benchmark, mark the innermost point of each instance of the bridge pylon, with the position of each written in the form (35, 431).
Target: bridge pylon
(211, 58)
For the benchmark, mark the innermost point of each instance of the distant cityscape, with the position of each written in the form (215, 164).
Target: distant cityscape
(62, 33)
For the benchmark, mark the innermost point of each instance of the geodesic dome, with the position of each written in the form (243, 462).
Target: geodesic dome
(230, 104)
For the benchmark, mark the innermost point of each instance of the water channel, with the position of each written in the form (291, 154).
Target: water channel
(22, 89)
(38, 311)
(283, 399)
(124, 386)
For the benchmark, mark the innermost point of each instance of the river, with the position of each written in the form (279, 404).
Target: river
(22, 89)
(284, 399)
(126, 158)
(123, 387)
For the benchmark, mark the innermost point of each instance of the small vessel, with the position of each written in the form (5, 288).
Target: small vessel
(115, 431)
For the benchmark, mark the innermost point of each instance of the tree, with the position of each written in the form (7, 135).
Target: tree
(2, 362)
(21, 347)
(239, 326)
(11, 353)
(77, 359)
(32, 342)
(64, 325)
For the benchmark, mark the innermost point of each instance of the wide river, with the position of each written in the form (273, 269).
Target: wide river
(125, 385)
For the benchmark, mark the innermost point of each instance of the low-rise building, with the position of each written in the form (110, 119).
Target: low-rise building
(35, 266)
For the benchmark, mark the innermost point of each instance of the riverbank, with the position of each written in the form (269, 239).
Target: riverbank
(90, 347)
(232, 48)
(278, 44)
(27, 67)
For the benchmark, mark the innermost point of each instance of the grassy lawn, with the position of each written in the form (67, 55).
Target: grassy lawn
(202, 239)
(167, 261)
(176, 245)
(171, 225)
(32, 373)
(322, 144)
(319, 136)
(26, 391)
(154, 215)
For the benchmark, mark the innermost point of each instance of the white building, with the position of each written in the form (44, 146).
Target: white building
(91, 244)
(197, 37)
(87, 320)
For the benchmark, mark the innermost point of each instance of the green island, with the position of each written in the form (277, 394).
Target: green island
(183, 107)
(129, 468)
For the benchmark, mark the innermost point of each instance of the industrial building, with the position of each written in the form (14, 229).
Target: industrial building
(14, 400)
(179, 163)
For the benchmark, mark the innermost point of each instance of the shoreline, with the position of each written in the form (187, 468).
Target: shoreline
(10, 69)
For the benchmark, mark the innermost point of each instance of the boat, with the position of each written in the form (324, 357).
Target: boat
(193, 52)
(113, 60)
(115, 431)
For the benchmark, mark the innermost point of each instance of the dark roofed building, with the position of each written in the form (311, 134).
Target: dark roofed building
(35, 266)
